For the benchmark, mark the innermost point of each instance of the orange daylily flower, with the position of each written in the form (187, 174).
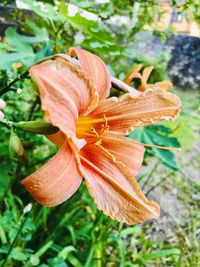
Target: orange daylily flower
(144, 76)
(91, 137)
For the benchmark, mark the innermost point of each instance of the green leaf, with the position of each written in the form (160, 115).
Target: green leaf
(34, 260)
(8, 58)
(15, 41)
(23, 51)
(57, 262)
(4, 179)
(150, 135)
(36, 30)
(44, 10)
(131, 231)
(93, 28)
(17, 254)
(18, 41)
(44, 248)
(21, 46)
(161, 253)
(65, 252)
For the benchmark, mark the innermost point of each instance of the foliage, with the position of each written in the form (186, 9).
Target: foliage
(158, 135)
(74, 233)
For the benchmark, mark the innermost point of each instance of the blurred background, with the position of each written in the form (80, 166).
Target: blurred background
(164, 34)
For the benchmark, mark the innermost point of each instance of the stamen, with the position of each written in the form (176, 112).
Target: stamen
(98, 142)
(92, 129)
(104, 128)
(95, 133)
(147, 145)
(105, 118)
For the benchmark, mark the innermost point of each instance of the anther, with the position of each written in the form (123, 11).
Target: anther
(94, 131)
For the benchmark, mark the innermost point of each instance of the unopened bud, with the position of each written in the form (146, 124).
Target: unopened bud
(38, 127)
(15, 146)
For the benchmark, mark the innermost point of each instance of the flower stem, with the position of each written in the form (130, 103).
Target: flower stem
(6, 123)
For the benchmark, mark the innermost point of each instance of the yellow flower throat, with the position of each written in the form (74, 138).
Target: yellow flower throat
(92, 129)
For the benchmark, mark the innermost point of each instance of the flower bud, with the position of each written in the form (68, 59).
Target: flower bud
(15, 146)
(38, 127)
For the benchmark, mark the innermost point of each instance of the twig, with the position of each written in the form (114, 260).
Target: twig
(8, 87)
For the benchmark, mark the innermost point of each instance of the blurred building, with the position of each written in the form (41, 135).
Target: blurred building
(174, 17)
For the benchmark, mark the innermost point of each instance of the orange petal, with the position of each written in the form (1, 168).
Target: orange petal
(57, 180)
(164, 84)
(152, 106)
(145, 76)
(95, 68)
(146, 73)
(65, 92)
(113, 188)
(124, 150)
(134, 73)
(58, 138)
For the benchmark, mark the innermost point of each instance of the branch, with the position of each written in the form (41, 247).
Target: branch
(121, 86)
(8, 87)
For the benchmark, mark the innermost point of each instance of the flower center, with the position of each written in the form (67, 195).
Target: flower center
(92, 129)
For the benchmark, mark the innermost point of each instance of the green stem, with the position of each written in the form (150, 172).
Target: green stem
(2, 233)
(57, 35)
(53, 25)
(15, 239)
(150, 174)
(6, 123)
(8, 87)
(32, 108)
(157, 184)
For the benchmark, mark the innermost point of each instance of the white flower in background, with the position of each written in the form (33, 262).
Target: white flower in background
(27, 208)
